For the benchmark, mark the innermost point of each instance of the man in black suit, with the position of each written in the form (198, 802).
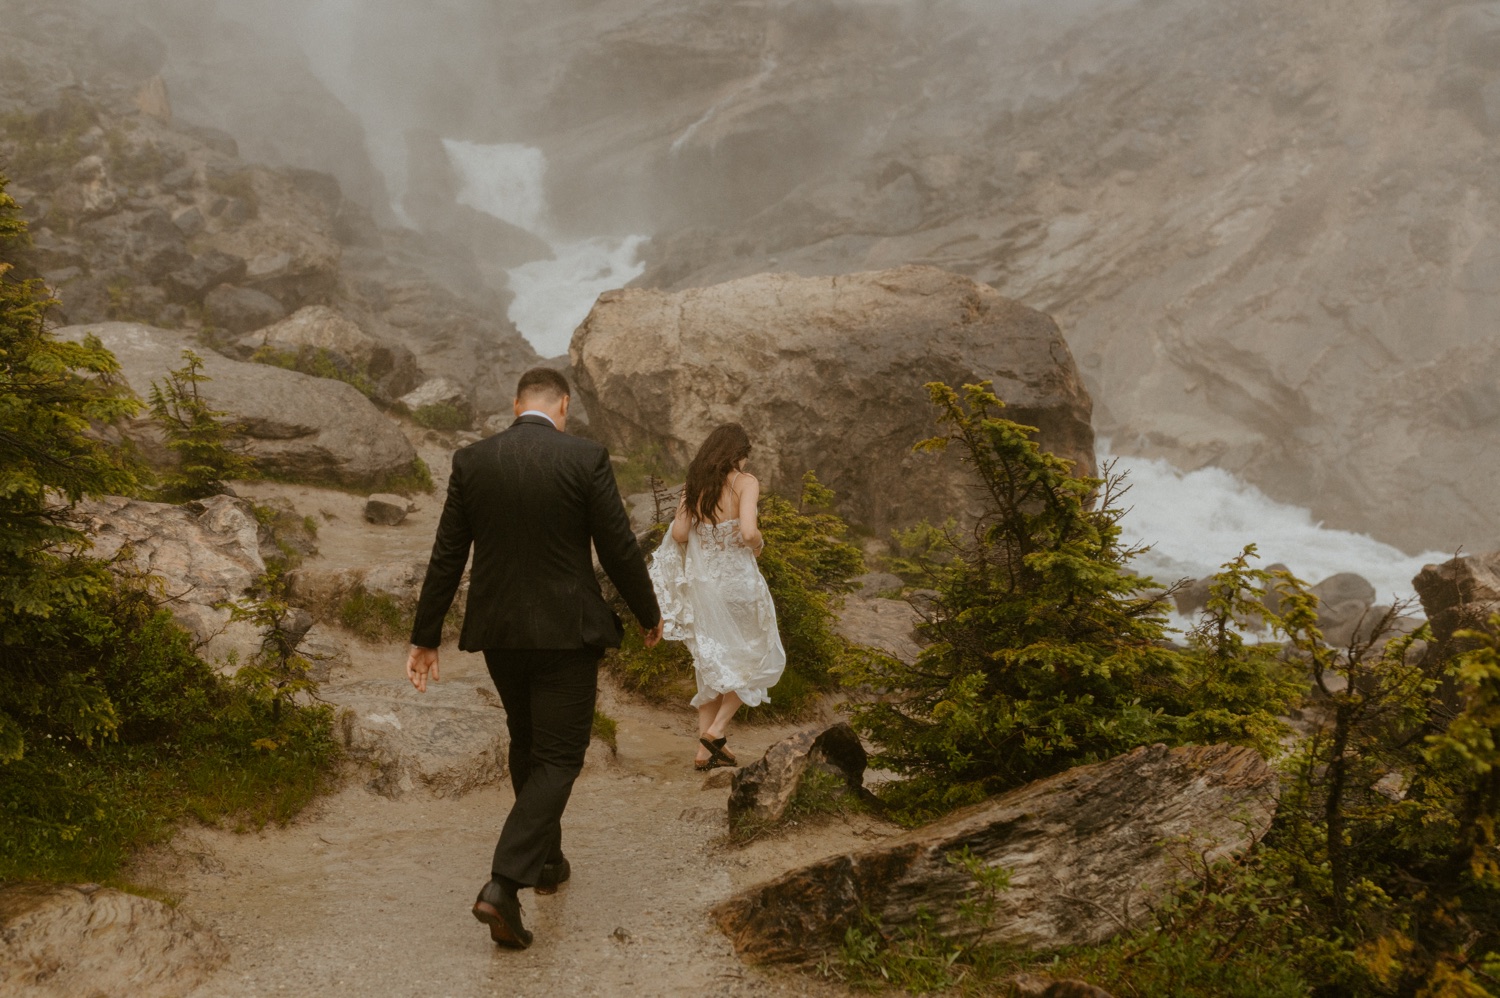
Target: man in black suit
(529, 501)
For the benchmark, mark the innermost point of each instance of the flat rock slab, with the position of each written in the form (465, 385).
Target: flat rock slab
(447, 741)
(887, 625)
(1087, 849)
(58, 941)
(314, 429)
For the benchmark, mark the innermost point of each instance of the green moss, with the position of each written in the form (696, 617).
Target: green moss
(317, 362)
(374, 616)
(442, 416)
(606, 729)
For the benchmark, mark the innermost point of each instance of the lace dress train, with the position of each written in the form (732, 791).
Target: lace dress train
(714, 599)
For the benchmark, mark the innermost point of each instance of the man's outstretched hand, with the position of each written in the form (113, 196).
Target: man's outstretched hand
(653, 636)
(421, 663)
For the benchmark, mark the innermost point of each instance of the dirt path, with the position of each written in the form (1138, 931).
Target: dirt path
(371, 893)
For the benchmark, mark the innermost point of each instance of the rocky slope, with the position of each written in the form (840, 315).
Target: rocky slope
(140, 214)
(1266, 228)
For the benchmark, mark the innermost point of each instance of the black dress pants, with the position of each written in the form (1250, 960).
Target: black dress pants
(549, 709)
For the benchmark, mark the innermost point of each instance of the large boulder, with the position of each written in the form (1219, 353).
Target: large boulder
(826, 374)
(204, 552)
(447, 741)
(391, 368)
(1460, 594)
(60, 941)
(763, 790)
(887, 625)
(295, 425)
(1088, 851)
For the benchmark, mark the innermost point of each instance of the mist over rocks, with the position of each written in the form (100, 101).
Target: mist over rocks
(826, 374)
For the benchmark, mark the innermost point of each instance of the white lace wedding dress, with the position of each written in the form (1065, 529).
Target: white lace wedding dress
(714, 599)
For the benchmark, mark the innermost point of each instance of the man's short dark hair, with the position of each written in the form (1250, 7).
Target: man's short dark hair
(545, 381)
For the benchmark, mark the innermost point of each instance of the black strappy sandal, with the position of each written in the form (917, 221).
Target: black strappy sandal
(721, 755)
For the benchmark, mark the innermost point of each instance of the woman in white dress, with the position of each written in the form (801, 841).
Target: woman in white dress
(712, 595)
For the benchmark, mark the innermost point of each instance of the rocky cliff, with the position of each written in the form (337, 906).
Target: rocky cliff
(140, 212)
(1266, 228)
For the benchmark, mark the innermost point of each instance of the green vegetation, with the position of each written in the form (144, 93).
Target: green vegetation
(1380, 875)
(643, 471)
(442, 416)
(112, 729)
(820, 795)
(606, 729)
(1044, 656)
(49, 141)
(807, 564)
(318, 362)
(379, 616)
(200, 436)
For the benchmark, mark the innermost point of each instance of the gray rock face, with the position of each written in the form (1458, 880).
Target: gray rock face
(1087, 850)
(59, 941)
(240, 310)
(1345, 587)
(826, 374)
(314, 429)
(204, 552)
(762, 791)
(887, 625)
(1459, 594)
(438, 391)
(447, 741)
(390, 367)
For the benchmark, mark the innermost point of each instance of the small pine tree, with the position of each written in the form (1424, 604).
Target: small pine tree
(198, 434)
(1045, 653)
(278, 672)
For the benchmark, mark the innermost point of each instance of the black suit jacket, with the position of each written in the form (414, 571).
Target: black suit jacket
(529, 501)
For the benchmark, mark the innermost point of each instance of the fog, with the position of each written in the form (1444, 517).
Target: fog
(1250, 220)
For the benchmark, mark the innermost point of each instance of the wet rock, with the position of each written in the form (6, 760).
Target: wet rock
(762, 790)
(208, 271)
(888, 625)
(320, 328)
(239, 310)
(1460, 594)
(1345, 587)
(204, 552)
(385, 509)
(438, 391)
(302, 427)
(768, 343)
(447, 741)
(1085, 850)
(60, 941)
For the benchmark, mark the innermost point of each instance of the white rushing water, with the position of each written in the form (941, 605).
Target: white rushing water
(1198, 520)
(552, 297)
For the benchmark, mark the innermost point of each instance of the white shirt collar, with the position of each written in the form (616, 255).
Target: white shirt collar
(538, 412)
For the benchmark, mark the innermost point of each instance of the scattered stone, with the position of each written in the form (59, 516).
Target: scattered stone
(385, 509)
(447, 741)
(60, 941)
(179, 179)
(767, 343)
(762, 790)
(719, 779)
(1088, 851)
(240, 310)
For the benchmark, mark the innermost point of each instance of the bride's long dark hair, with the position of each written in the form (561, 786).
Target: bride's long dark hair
(724, 448)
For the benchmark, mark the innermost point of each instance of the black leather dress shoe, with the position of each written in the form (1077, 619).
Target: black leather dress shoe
(554, 875)
(501, 911)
